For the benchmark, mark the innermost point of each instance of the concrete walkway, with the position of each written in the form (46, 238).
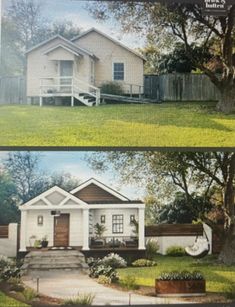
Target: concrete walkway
(66, 285)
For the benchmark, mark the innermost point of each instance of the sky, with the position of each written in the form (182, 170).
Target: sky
(74, 162)
(77, 12)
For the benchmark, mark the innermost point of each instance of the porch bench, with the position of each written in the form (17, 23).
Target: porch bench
(97, 243)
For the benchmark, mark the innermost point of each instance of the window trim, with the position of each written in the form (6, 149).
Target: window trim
(124, 70)
(122, 223)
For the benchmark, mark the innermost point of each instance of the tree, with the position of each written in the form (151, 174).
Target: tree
(24, 27)
(23, 169)
(187, 24)
(185, 171)
(64, 180)
(8, 199)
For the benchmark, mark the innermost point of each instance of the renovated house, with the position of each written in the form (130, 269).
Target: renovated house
(77, 69)
(69, 219)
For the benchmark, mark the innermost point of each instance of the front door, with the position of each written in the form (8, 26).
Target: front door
(66, 74)
(61, 230)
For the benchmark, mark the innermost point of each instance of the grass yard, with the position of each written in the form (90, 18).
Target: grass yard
(168, 124)
(219, 278)
(6, 301)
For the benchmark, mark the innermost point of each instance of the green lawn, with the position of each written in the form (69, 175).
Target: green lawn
(6, 301)
(218, 277)
(168, 124)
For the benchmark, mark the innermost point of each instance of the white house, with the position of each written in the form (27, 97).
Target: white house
(61, 68)
(67, 219)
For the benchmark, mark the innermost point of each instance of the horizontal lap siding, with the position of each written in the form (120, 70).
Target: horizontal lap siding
(173, 230)
(93, 193)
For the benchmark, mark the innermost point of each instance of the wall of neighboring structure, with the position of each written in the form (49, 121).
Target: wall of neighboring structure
(8, 246)
(167, 241)
(109, 52)
(108, 213)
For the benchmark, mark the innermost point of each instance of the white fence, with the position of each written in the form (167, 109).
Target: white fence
(8, 244)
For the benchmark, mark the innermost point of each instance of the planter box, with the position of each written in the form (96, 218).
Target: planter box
(180, 287)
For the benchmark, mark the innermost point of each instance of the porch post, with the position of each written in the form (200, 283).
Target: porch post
(85, 229)
(141, 220)
(23, 231)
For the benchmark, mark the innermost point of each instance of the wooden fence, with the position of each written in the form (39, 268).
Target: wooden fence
(13, 90)
(4, 230)
(180, 87)
(163, 230)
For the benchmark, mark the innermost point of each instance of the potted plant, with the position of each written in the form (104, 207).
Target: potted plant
(99, 230)
(180, 284)
(44, 242)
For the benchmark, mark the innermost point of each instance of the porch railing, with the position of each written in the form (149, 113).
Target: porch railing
(67, 86)
(114, 242)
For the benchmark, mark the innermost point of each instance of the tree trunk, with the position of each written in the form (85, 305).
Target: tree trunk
(227, 255)
(226, 103)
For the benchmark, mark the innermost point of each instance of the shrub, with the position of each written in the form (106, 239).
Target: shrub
(115, 261)
(15, 284)
(97, 268)
(113, 88)
(85, 299)
(129, 282)
(229, 291)
(175, 251)
(144, 262)
(104, 280)
(152, 248)
(8, 268)
(29, 294)
(184, 275)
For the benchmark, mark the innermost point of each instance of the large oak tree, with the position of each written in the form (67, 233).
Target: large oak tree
(187, 24)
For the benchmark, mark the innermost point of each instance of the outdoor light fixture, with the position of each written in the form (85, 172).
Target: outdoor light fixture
(55, 213)
(40, 220)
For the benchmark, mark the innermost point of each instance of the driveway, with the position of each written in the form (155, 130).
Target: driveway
(66, 285)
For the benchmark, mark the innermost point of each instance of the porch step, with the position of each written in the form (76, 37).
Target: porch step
(64, 260)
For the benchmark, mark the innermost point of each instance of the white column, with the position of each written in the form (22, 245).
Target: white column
(85, 229)
(23, 231)
(141, 220)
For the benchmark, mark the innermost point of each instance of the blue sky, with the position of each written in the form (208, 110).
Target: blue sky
(76, 11)
(74, 162)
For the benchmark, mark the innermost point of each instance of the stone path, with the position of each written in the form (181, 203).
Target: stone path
(66, 285)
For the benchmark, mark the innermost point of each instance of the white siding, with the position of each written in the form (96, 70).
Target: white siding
(8, 246)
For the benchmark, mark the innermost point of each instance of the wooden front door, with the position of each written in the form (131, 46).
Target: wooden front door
(61, 230)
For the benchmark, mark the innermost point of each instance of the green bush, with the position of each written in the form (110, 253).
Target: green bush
(114, 260)
(229, 291)
(8, 268)
(97, 268)
(183, 275)
(152, 248)
(144, 263)
(29, 294)
(175, 251)
(113, 88)
(85, 299)
(104, 280)
(129, 282)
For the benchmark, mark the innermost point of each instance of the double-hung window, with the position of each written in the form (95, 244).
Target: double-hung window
(117, 223)
(118, 71)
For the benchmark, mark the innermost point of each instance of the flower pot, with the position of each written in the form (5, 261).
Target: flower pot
(44, 244)
(180, 287)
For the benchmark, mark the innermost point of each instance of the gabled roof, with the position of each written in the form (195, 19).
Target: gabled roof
(110, 38)
(67, 48)
(65, 42)
(43, 197)
(102, 186)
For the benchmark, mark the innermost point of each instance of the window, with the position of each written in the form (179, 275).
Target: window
(118, 223)
(40, 220)
(132, 218)
(102, 219)
(118, 71)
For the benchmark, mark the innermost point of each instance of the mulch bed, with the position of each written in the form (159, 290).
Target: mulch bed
(40, 301)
